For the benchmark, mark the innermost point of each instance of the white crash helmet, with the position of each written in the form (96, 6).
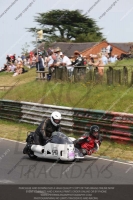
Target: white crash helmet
(55, 118)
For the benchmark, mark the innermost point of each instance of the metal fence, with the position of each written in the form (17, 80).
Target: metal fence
(113, 125)
(111, 76)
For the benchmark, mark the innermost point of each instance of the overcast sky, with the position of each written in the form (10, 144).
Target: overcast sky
(114, 16)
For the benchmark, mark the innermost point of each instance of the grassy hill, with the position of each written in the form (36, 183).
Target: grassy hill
(81, 95)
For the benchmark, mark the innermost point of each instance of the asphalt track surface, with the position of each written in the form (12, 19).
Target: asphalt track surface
(17, 168)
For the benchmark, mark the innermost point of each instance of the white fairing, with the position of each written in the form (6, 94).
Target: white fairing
(65, 152)
(37, 148)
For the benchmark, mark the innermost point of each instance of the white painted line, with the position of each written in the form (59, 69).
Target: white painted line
(6, 181)
(114, 161)
(12, 140)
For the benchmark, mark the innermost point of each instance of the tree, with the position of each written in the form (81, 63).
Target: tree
(66, 25)
(25, 49)
(90, 37)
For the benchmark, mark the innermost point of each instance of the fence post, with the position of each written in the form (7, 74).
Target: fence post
(125, 76)
(117, 76)
(109, 75)
(61, 73)
(131, 78)
(79, 73)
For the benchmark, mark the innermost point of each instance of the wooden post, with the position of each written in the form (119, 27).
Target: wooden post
(109, 73)
(125, 76)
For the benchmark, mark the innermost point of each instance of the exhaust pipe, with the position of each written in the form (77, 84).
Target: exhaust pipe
(37, 148)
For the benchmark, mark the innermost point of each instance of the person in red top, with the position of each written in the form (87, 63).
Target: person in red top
(89, 143)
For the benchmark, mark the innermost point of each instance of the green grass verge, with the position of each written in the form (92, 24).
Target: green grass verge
(78, 95)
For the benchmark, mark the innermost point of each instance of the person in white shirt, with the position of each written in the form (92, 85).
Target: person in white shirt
(67, 62)
(109, 49)
(112, 59)
(13, 67)
(50, 62)
(104, 59)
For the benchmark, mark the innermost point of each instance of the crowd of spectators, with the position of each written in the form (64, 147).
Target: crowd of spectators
(100, 60)
(15, 64)
(51, 58)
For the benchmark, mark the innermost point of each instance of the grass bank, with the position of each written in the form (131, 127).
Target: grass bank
(78, 95)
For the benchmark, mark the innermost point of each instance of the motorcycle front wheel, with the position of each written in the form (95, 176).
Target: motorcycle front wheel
(31, 155)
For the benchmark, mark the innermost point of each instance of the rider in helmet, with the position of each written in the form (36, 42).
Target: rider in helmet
(89, 143)
(94, 131)
(45, 129)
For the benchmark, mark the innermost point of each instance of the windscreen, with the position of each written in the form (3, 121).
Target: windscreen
(60, 138)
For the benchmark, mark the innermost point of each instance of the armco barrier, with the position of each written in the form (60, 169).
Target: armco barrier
(113, 125)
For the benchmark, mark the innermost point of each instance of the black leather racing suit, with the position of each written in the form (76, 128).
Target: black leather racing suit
(44, 131)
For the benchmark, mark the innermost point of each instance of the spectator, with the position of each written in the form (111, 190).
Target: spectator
(44, 53)
(4, 68)
(34, 61)
(79, 61)
(13, 58)
(105, 59)
(31, 55)
(67, 62)
(91, 57)
(91, 61)
(40, 62)
(23, 57)
(19, 68)
(58, 57)
(19, 59)
(85, 61)
(118, 57)
(8, 59)
(99, 64)
(8, 67)
(51, 61)
(12, 68)
(112, 59)
(109, 49)
(26, 62)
